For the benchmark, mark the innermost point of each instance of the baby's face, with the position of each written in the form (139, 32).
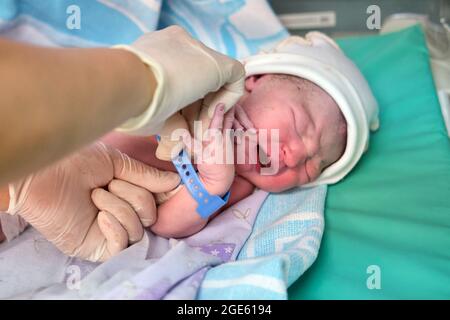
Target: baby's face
(311, 131)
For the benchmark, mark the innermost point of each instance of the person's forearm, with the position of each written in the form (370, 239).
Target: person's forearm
(4, 204)
(52, 101)
(4, 198)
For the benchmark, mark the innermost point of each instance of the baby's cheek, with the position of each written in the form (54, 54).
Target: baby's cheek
(314, 169)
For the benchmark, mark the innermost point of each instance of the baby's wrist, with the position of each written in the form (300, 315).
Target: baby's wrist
(215, 188)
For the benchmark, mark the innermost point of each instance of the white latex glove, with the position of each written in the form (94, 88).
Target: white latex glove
(68, 205)
(186, 71)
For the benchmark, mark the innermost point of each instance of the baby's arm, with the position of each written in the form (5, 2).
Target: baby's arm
(178, 217)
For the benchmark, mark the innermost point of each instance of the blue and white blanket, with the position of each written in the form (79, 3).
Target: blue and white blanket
(235, 27)
(271, 252)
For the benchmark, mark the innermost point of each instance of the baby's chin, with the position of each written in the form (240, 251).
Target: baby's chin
(267, 183)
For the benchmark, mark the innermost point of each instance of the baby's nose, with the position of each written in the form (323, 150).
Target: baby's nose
(293, 154)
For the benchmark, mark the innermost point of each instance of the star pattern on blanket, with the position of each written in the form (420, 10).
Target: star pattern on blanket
(224, 251)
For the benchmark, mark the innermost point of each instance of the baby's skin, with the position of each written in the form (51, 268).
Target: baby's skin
(312, 136)
(312, 130)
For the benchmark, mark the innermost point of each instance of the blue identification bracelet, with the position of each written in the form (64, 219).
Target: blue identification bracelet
(207, 203)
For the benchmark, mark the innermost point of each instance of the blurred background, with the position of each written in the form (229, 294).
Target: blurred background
(348, 17)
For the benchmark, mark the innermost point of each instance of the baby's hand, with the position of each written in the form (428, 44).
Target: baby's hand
(244, 128)
(242, 121)
(214, 155)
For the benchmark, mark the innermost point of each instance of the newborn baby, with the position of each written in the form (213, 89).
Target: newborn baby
(307, 90)
(312, 129)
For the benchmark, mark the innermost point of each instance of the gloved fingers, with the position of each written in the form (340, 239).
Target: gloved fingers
(160, 198)
(204, 118)
(232, 71)
(140, 174)
(140, 199)
(19, 193)
(192, 113)
(115, 234)
(236, 77)
(170, 143)
(121, 210)
(168, 149)
(204, 71)
(229, 95)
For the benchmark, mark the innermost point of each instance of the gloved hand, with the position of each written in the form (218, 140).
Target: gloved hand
(168, 146)
(63, 201)
(186, 71)
(170, 143)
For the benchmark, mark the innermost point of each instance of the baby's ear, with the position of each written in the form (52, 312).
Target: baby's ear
(251, 82)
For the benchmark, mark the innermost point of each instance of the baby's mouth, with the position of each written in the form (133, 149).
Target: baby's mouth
(263, 159)
(266, 165)
(269, 164)
(256, 162)
(262, 163)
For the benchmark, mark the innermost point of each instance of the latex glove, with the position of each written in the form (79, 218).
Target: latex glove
(168, 146)
(186, 71)
(68, 205)
(170, 143)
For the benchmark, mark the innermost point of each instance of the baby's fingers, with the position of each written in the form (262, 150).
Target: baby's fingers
(229, 120)
(217, 120)
(242, 117)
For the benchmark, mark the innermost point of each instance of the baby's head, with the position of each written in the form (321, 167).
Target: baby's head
(312, 129)
(317, 98)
